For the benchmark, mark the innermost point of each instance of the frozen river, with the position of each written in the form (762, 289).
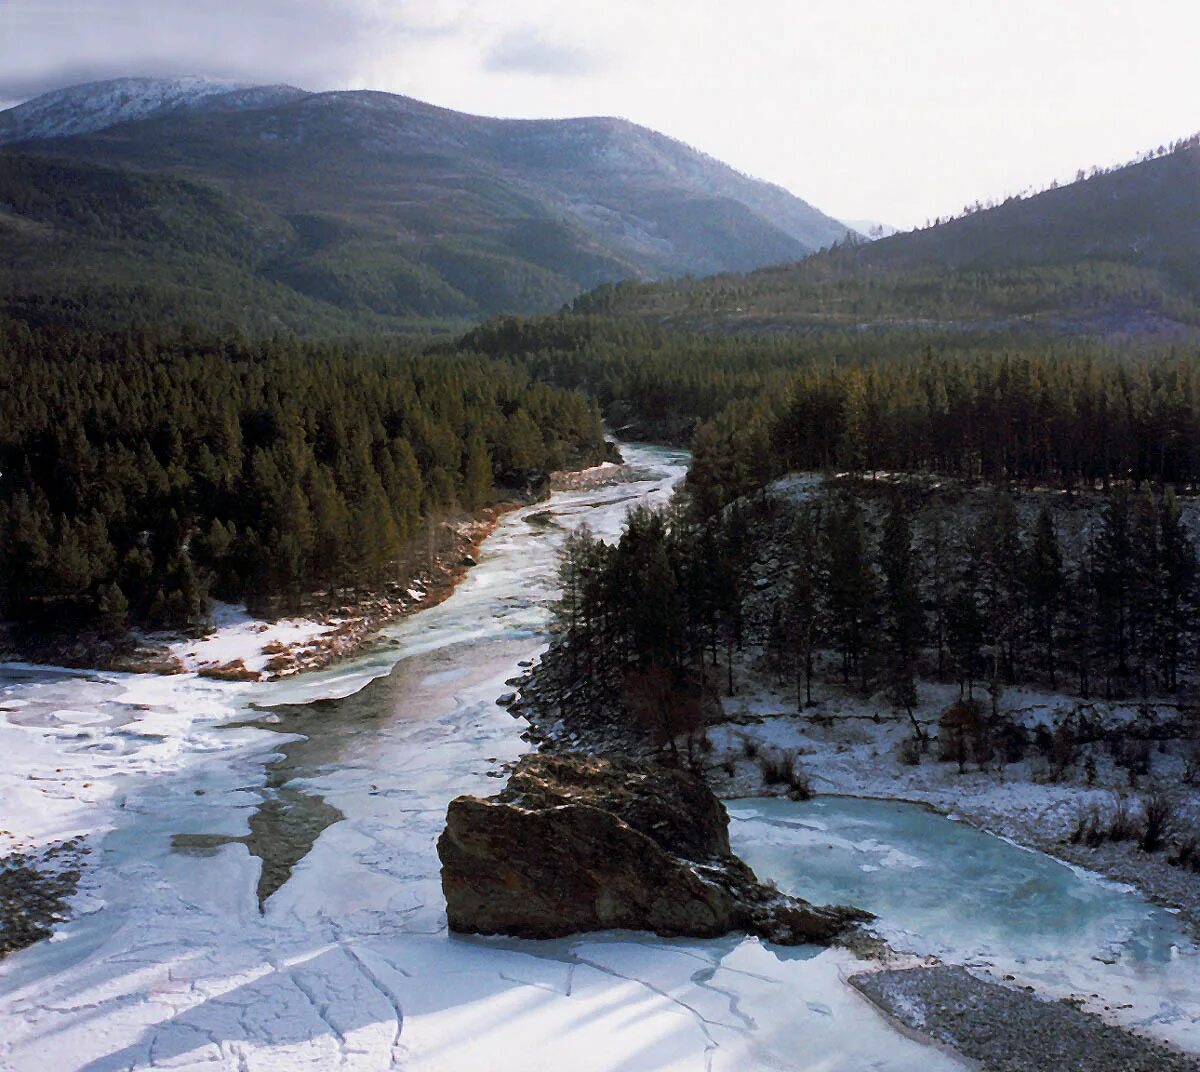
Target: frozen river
(264, 893)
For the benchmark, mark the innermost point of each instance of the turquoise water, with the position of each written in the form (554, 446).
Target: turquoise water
(943, 887)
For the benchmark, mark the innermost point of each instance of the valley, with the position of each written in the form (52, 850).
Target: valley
(169, 961)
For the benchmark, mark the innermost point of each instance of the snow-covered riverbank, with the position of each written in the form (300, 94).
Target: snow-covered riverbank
(171, 963)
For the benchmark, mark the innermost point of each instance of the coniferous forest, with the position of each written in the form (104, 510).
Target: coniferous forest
(142, 473)
(139, 475)
(875, 586)
(734, 579)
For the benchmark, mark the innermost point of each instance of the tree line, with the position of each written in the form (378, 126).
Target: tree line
(1073, 421)
(139, 474)
(895, 585)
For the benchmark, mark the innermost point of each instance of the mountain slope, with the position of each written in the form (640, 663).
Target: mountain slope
(101, 247)
(1119, 251)
(99, 105)
(400, 209)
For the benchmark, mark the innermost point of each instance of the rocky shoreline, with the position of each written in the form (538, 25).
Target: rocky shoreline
(36, 887)
(1007, 1028)
(353, 617)
(345, 622)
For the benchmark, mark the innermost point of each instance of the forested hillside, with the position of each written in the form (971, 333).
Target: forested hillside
(873, 587)
(883, 516)
(382, 208)
(99, 248)
(140, 473)
(1115, 253)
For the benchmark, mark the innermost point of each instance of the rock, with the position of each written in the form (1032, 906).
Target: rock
(576, 843)
(525, 663)
(231, 671)
(506, 699)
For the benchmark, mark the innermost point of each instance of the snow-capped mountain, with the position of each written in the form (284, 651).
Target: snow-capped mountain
(98, 105)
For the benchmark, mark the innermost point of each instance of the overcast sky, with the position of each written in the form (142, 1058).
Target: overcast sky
(898, 111)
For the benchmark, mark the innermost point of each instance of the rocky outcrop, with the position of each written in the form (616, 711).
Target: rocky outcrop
(577, 843)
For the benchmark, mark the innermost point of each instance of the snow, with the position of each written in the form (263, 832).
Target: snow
(169, 962)
(95, 106)
(239, 635)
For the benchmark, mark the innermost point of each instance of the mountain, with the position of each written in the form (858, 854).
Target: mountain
(382, 206)
(99, 105)
(871, 229)
(1117, 252)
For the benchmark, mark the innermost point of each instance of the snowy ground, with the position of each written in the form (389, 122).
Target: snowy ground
(852, 746)
(237, 635)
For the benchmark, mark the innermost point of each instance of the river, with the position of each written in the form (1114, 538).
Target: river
(263, 892)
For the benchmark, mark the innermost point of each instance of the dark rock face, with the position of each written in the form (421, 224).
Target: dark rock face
(577, 843)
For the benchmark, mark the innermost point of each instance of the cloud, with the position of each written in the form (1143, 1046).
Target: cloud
(317, 44)
(525, 51)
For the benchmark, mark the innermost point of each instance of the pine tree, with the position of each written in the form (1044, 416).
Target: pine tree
(576, 561)
(852, 589)
(965, 630)
(802, 614)
(1146, 588)
(477, 479)
(727, 583)
(997, 547)
(1081, 624)
(1112, 569)
(936, 552)
(1176, 589)
(112, 610)
(1045, 584)
(645, 591)
(904, 624)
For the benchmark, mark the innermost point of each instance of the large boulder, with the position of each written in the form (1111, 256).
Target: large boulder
(577, 843)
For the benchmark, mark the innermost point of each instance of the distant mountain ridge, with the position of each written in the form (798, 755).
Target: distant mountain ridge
(393, 209)
(872, 229)
(96, 106)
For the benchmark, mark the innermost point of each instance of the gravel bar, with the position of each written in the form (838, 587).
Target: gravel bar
(1010, 1030)
(34, 892)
